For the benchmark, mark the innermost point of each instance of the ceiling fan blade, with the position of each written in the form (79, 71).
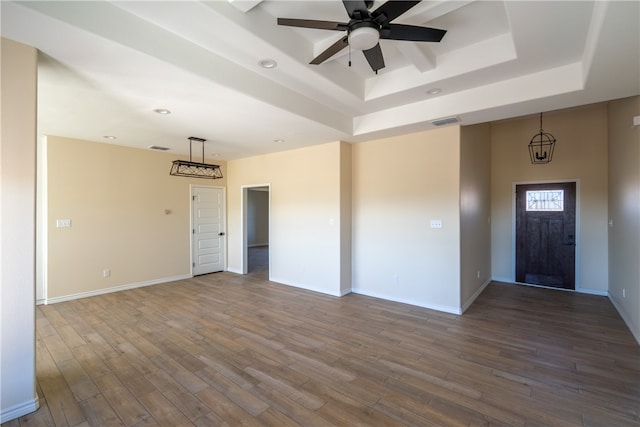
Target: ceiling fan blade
(374, 57)
(312, 23)
(392, 9)
(331, 50)
(353, 6)
(412, 33)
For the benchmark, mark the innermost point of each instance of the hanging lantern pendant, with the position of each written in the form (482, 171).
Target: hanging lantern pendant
(541, 146)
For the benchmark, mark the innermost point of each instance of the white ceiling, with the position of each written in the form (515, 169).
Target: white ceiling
(105, 66)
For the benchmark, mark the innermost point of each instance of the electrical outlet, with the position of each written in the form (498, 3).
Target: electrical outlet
(106, 273)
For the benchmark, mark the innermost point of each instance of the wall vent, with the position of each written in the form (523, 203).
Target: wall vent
(159, 148)
(446, 121)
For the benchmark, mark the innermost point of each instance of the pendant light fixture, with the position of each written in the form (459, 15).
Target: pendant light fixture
(541, 146)
(194, 169)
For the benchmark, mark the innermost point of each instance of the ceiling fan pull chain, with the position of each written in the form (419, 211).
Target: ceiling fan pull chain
(349, 55)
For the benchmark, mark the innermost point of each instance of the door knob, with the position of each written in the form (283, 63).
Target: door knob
(221, 233)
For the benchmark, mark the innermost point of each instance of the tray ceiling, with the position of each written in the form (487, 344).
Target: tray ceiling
(105, 66)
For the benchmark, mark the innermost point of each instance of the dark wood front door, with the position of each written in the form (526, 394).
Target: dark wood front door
(546, 234)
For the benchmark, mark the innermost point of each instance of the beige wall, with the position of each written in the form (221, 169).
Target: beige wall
(399, 185)
(624, 210)
(17, 225)
(346, 217)
(475, 211)
(116, 199)
(305, 217)
(580, 154)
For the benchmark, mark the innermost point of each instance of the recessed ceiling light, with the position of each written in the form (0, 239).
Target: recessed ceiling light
(279, 141)
(267, 63)
(162, 111)
(159, 148)
(110, 137)
(434, 91)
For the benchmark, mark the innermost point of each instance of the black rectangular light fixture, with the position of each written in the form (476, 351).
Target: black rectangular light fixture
(194, 169)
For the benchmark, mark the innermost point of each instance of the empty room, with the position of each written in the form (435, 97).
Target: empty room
(320, 213)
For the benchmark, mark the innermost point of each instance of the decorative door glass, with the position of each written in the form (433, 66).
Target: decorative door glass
(545, 201)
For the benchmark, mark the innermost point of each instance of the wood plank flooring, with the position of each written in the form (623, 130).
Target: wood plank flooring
(230, 350)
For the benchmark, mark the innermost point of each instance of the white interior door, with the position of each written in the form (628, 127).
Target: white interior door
(208, 230)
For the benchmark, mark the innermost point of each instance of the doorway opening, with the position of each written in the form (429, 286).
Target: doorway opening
(256, 202)
(546, 234)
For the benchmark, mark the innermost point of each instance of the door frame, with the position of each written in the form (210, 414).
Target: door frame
(42, 222)
(577, 238)
(191, 234)
(244, 204)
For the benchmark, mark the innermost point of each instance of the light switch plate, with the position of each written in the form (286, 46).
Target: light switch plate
(63, 223)
(436, 223)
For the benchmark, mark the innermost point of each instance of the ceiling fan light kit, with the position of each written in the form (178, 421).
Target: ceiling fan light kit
(194, 169)
(365, 28)
(363, 38)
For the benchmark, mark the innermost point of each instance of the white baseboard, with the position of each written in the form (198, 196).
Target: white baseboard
(634, 330)
(299, 285)
(502, 279)
(443, 308)
(592, 292)
(578, 290)
(467, 304)
(304, 286)
(345, 292)
(16, 411)
(115, 289)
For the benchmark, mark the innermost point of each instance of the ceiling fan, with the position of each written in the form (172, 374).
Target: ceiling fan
(365, 28)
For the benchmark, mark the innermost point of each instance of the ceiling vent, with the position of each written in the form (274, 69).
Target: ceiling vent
(446, 121)
(159, 148)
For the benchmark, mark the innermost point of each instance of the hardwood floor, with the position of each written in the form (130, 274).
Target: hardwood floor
(224, 349)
